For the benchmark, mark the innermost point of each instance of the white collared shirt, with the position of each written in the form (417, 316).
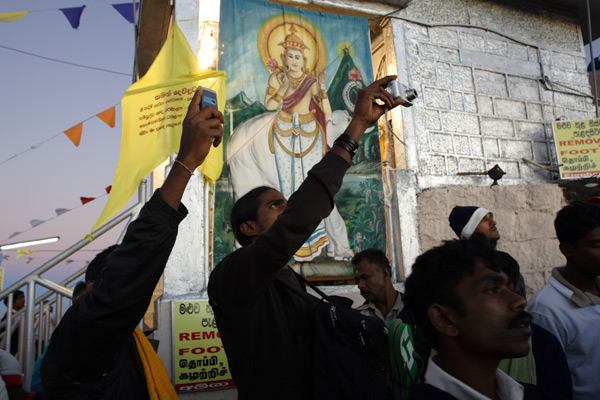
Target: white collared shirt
(369, 308)
(573, 317)
(506, 387)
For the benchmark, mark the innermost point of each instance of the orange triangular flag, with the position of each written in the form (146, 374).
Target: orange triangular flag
(74, 134)
(108, 116)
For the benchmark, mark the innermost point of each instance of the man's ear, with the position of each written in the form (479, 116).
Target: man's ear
(249, 229)
(443, 319)
(566, 249)
(387, 273)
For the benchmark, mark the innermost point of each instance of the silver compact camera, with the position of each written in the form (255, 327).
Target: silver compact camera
(397, 89)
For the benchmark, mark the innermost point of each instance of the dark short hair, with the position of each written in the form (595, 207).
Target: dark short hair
(436, 273)
(575, 221)
(374, 256)
(97, 265)
(16, 294)
(245, 209)
(79, 288)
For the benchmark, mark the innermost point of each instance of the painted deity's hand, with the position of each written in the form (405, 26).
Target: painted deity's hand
(283, 80)
(322, 79)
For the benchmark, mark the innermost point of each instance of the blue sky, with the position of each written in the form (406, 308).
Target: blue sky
(42, 98)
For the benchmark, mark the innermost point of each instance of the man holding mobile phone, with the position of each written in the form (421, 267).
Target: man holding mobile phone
(93, 352)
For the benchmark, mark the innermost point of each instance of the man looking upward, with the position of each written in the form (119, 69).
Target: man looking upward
(263, 326)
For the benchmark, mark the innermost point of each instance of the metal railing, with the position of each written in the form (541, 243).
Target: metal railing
(36, 316)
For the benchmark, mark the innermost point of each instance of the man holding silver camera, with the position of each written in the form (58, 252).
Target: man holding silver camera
(264, 327)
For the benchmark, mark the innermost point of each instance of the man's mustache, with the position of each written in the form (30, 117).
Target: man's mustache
(523, 318)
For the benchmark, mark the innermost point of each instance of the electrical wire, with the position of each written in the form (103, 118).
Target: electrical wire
(544, 79)
(64, 62)
(390, 128)
(35, 146)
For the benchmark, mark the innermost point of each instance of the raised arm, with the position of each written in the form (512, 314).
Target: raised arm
(201, 130)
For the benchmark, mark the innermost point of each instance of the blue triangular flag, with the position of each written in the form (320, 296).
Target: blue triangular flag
(60, 211)
(597, 64)
(36, 222)
(126, 10)
(73, 14)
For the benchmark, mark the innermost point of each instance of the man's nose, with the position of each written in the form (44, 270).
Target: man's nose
(517, 302)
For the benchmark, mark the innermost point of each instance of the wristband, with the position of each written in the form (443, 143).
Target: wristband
(344, 145)
(345, 138)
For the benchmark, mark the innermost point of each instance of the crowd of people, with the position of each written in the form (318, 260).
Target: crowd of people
(465, 302)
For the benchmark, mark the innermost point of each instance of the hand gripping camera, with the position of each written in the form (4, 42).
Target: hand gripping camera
(397, 89)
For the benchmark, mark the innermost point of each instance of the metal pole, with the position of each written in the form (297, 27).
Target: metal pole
(77, 246)
(52, 286)
(392, 220)
(9, 313)
(29, 338)
(590, 40)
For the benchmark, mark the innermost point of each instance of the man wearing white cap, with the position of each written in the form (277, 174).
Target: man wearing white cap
(467, 220)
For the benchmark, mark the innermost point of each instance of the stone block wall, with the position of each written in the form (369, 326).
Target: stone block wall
(525, 219)
(483, 98)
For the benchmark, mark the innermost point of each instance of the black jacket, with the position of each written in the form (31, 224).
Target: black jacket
(263, 325)
(92, 353)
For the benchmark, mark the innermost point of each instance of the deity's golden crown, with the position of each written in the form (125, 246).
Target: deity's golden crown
(292, 41)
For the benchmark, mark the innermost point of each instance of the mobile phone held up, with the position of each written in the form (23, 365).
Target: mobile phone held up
(209, 98)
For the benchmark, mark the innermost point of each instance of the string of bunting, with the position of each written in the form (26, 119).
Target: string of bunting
(60, 211)
(22, 253)
(73, 133)
(73, 14)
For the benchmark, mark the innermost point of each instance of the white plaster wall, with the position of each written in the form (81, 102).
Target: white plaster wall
(524, 216)
(481, 99)
(479, 68)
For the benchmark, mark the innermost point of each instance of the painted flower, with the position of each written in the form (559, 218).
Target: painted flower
(354, 75)
(272, 64)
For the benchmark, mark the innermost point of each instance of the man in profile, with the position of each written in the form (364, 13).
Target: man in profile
(569, 304)
(545, 366)
(462, 300)
(373, 276)
(265, 327)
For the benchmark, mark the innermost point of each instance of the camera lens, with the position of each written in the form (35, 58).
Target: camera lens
(411, 94)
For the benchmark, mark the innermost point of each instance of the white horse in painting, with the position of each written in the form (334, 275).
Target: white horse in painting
(251, 164)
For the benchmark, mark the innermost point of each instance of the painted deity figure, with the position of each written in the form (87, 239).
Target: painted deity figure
(298, 134)
(279, 147)
(298, 137)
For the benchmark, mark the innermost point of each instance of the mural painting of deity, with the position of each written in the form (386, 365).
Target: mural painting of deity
(278, 135)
